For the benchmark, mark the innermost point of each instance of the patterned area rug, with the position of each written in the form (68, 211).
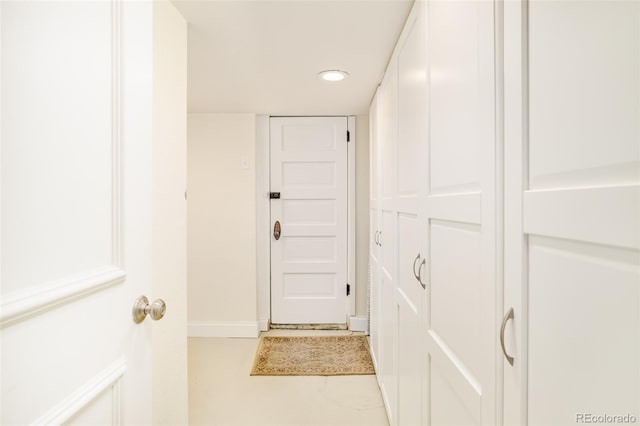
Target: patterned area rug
(312, 356)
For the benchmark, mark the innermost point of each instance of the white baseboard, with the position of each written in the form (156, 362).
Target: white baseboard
(373, 359)
(222, 329)
(359, 324)
(263, 324)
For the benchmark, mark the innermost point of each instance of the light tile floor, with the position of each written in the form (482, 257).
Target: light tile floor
(221, 391)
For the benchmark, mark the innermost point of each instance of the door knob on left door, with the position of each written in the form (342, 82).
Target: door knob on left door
(142, 308)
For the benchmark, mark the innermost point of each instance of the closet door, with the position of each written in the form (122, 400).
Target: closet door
(572, 212)
(374, 229)
(411, 172)
(388, 241)
(460, 307)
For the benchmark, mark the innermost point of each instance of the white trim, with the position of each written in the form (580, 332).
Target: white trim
(222, 329)
(74, 403)
(117, 254)
(34, 300)
(516, 161)
(263, 241)
(351, 212)
(1, 197)
(116, 403)
(359, 324)
(499, 200)
(374, 361)
(385, 400)
(264, 324)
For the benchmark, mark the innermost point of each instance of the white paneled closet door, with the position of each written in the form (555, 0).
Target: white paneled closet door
(460, 271)
(411, 232)
(374, 219)
(387, 238)
(77, 208)
(572, 211)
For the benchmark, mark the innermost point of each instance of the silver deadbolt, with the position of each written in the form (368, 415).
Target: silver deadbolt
(277, 230)
(142, 308)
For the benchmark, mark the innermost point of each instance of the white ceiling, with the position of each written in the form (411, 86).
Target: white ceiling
(263, 56)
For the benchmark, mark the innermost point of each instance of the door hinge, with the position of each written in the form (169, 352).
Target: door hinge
(348, 289)
(348, 136)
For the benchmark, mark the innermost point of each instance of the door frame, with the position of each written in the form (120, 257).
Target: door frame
(263, 218)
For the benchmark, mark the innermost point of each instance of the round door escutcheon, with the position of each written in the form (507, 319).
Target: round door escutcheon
(277, 230)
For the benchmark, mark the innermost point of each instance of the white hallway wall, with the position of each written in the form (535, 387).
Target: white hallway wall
(221, 223)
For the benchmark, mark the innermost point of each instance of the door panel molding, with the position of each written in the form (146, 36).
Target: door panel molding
(459, 207)
(38, 298)
(465, 384)
(89, 392)
(571, 213)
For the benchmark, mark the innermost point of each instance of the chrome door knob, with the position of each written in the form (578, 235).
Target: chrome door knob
(142, 308)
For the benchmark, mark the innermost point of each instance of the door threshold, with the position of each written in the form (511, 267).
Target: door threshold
(309, 326)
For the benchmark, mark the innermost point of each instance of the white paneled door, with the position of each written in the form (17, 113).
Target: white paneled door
(309, 220)
(460, 269)
(388, 322)
(374, 231)
(411, 226)
(77, 213)
(572, 212)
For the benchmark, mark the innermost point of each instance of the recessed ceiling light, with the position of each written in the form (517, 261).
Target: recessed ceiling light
(333, 75)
